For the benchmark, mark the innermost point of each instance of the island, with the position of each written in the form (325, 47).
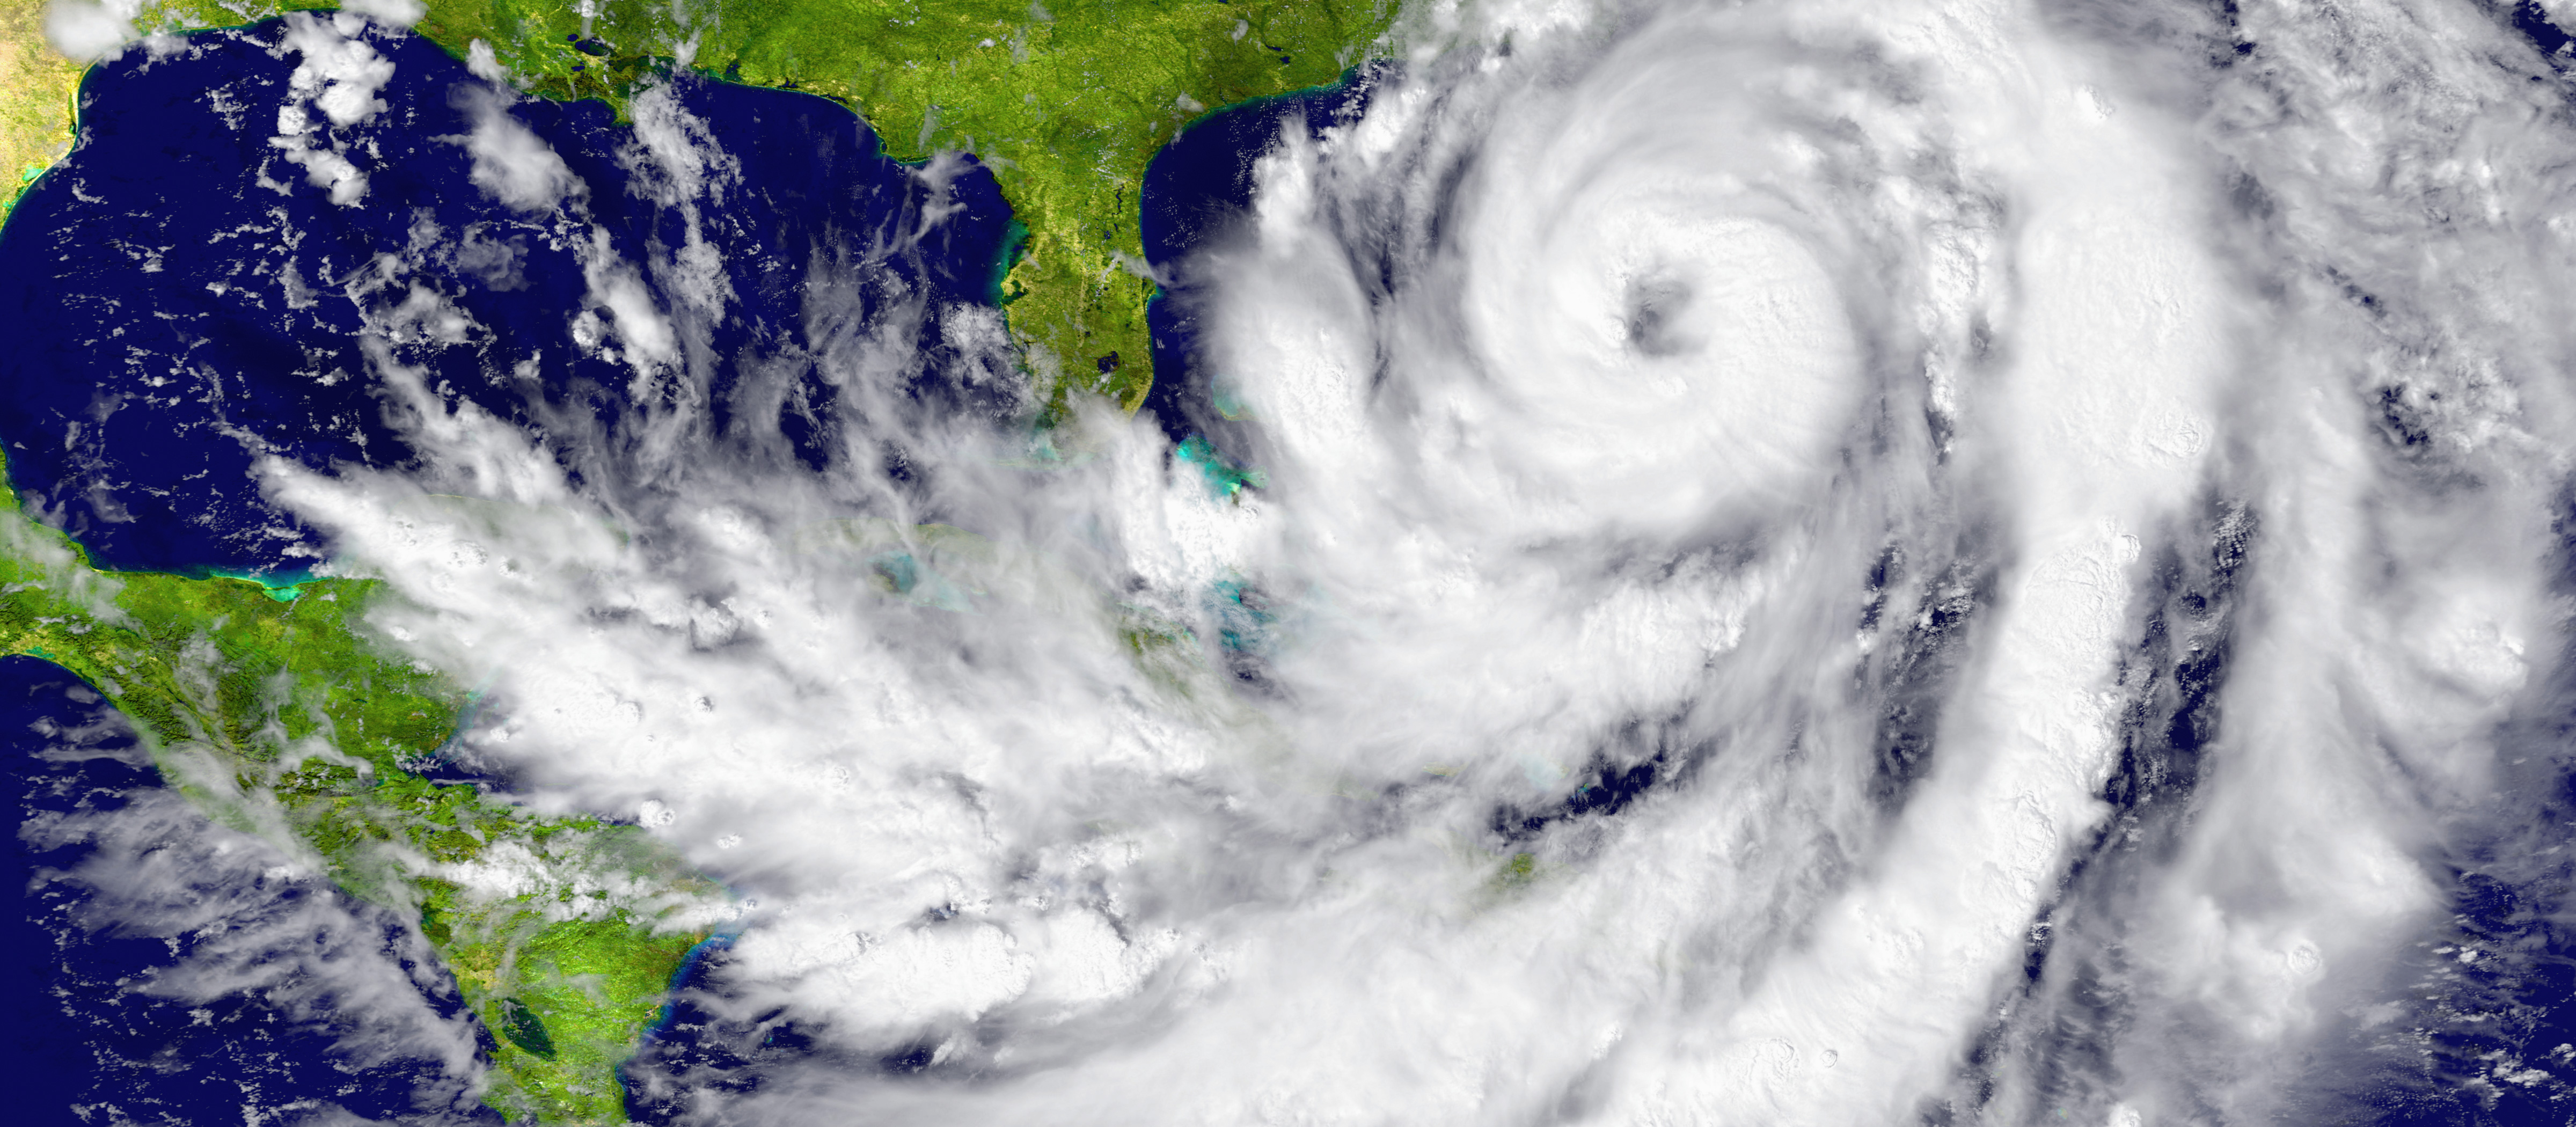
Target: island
(283, 712)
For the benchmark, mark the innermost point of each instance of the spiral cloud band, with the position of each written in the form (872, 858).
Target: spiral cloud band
(1818, 563)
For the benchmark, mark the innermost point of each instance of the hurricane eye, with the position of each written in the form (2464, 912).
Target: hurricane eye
(1657, 322)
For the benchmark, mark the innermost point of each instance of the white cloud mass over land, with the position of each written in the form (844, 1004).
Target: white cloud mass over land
(1878, 426)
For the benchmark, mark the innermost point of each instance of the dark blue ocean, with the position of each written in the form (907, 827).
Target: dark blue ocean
(154, 356)
(152, 360)
(161, 970)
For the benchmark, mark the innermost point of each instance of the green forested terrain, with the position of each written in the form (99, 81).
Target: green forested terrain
(281, 712)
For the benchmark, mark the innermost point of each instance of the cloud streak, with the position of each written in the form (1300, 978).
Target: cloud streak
(1794, 544)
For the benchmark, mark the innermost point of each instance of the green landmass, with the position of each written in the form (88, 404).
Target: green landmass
(36, 85)
(1065, 102)
(279, 712)
(283, 719)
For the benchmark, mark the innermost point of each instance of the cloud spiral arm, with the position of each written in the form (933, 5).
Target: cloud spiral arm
(1813, 565)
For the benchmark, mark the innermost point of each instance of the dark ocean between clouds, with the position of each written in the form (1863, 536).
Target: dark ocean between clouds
(157, 351)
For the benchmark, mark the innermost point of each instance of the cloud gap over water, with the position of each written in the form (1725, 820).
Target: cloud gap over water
(165, 969)
(1821, 563)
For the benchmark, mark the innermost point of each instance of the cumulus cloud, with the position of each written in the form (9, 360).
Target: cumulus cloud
(1750, 497)
(338, 76)
(511, 162)
(340, 73)
(90, 32)
(393, 13)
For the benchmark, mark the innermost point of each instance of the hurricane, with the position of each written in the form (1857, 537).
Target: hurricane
(1944, 561)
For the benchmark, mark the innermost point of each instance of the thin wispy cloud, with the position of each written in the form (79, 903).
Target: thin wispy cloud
(1804, 564)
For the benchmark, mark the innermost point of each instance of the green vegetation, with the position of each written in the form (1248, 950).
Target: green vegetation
(285, 721)
(273, 708)
(35, 97)
(1066, 102)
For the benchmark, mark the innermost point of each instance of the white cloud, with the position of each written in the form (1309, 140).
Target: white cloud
(484, 64)
(338, 75)
(253, 936)
(90, 32)
(511, 163)
(1593, 382)
(393, 13)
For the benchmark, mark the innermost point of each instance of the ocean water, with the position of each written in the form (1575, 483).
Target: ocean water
(1841, 562)
(158, 241)
(178, 317)
(162, 970)
(1197, 197)
(182, 309)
